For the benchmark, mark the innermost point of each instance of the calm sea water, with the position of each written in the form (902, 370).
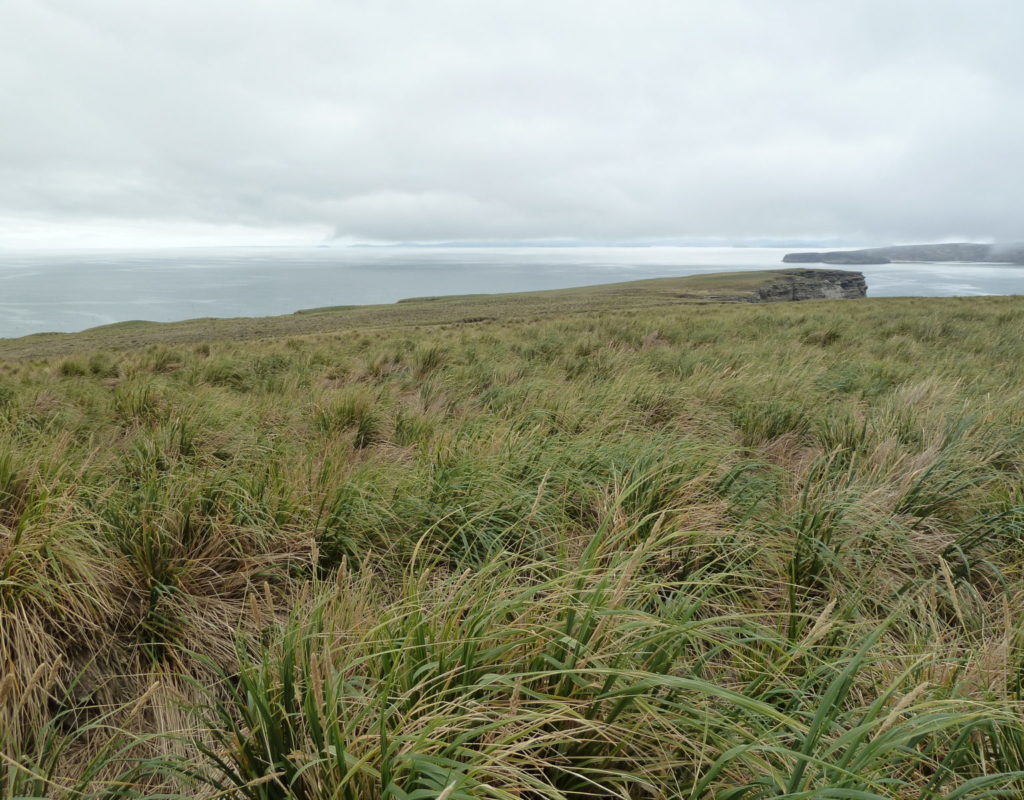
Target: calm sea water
(68, 291)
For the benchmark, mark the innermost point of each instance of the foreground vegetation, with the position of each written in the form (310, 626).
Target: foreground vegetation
(705, 551)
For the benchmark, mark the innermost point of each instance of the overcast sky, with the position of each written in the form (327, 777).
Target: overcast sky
(128, 122)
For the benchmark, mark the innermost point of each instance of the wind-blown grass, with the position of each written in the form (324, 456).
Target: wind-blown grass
(731, 552)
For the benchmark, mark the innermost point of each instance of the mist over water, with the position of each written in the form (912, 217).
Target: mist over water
(69, 291)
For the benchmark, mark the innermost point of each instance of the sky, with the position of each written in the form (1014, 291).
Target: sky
(184, 122)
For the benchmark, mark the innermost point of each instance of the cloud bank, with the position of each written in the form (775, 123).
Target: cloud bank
(249, 120)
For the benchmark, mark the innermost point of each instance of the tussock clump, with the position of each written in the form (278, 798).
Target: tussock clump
(355, 411)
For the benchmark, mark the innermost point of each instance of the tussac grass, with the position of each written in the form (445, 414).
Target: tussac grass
(413, 311)
(703, 551)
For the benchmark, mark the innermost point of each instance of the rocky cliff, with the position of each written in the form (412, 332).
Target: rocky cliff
(813, 284)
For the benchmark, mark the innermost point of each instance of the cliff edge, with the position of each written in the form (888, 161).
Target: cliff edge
(813, 284)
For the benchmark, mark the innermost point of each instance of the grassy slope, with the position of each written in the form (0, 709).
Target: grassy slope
(414, 311)
(655, 552)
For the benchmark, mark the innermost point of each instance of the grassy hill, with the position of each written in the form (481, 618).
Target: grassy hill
(731, 286)
(596, 543)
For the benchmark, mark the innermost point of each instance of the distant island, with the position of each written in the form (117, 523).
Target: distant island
(954, 251)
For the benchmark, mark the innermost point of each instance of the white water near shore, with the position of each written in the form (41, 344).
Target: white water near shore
(68, 291)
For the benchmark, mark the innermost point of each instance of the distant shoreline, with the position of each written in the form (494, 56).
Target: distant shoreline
(952, 252)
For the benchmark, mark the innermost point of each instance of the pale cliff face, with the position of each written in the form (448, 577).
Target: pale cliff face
(832, 292)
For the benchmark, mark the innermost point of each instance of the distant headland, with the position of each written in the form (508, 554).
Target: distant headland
(954, 251)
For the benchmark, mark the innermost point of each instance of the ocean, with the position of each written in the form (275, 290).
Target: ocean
(69, 291)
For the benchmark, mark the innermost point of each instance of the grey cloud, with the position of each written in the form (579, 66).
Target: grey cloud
(588, 119)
